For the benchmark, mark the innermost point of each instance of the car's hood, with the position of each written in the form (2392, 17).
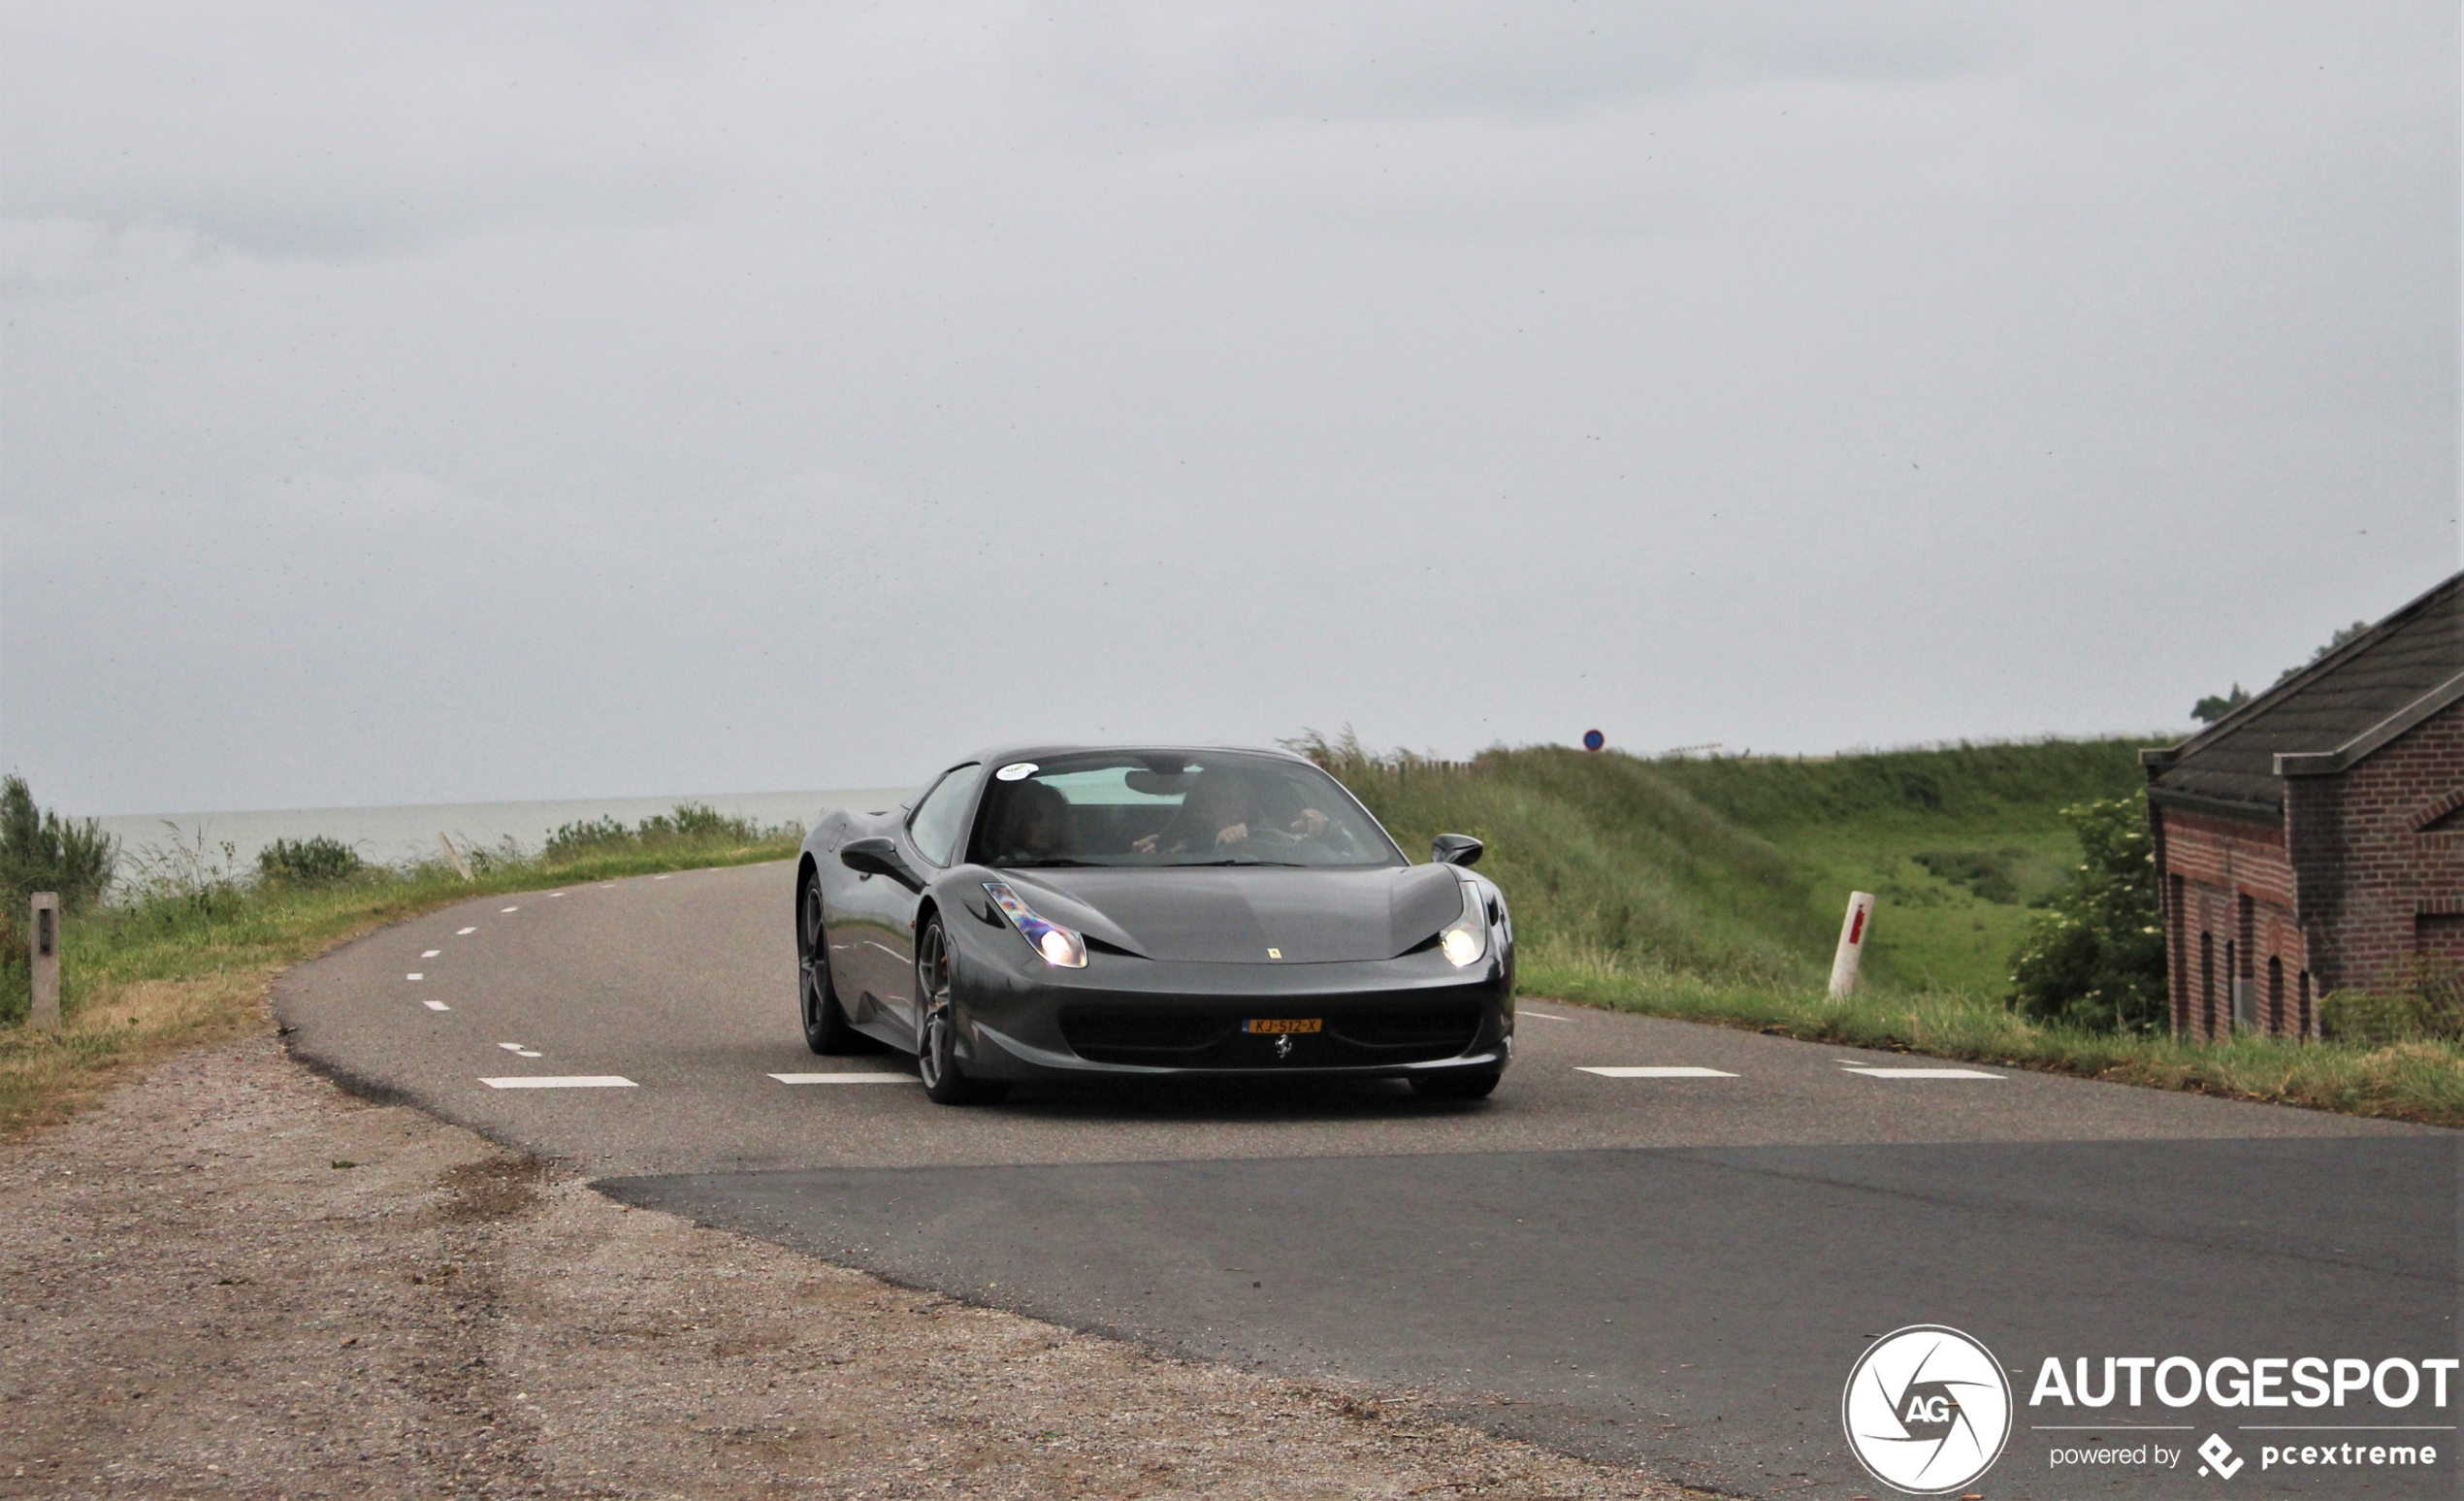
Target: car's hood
(1237, 914)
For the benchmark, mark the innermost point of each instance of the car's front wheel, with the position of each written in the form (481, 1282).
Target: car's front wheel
(1457, 1084)
(825, 1026)
(945, 1078)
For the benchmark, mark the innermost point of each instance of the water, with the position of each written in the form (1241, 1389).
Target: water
(394, 834)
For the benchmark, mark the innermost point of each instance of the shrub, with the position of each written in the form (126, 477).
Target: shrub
(2426, 1000)
(307, 862)
(699, 823)
(572, 840)
(2095, 960)
(689, 823)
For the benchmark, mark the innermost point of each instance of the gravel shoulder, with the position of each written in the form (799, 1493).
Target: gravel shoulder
(233, 1279)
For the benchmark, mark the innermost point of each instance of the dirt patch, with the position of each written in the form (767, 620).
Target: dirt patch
(231, 1278)
(497, 1188)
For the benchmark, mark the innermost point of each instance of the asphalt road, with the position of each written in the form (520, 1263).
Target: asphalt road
(1671, 1271)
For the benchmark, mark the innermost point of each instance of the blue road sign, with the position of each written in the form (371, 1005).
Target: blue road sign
(1593, 739)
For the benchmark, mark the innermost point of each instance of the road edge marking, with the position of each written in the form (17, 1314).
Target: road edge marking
(562, 1082)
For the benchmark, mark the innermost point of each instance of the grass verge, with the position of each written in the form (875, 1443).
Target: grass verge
(2421, 1081)
(191, 966)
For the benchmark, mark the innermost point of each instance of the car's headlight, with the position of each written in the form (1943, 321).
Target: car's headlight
(1059, 946)
(1466, 938)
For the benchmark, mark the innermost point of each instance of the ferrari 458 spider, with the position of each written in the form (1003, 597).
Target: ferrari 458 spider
(1060, 913)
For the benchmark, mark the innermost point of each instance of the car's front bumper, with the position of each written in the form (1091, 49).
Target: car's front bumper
(1137, 1017)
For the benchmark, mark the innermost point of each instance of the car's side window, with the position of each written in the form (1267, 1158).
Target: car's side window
(937, 821)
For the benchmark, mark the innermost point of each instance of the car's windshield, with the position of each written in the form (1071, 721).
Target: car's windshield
(1149, 808)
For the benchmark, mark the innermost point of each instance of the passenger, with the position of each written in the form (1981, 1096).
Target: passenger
(1035, 825)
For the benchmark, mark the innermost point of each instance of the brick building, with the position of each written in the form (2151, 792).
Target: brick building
(2312, 840)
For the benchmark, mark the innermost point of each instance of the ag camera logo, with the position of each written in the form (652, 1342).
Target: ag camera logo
(1927, 1409)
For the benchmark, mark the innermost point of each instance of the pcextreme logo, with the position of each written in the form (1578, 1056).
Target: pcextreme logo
(1927, 1409)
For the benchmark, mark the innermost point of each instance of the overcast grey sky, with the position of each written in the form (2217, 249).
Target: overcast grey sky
(444, 402)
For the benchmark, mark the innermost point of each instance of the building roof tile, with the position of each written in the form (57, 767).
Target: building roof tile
(2327, 715)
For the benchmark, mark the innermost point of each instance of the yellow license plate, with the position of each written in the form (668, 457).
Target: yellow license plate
(1297, 1024)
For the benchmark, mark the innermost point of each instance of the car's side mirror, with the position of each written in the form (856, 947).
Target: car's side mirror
(1455, 849)
(878, 857)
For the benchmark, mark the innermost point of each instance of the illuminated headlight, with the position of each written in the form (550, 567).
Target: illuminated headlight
(1463, 943)
(1060, 947)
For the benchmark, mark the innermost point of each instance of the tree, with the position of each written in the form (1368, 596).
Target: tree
(2095, 960)
(2213, 707)
(2338, 639)
(42, 852)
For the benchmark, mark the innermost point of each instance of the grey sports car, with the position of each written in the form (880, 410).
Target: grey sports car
(1068, 912)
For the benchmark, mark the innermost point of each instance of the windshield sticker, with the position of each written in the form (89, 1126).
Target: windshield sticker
(1015, 771)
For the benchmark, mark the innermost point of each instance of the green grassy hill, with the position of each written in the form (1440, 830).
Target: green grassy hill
(1710, 890)
(1737, 869)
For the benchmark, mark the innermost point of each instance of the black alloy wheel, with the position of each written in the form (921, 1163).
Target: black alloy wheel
(826, 1026)
(937, 1064)
(1457, 1084)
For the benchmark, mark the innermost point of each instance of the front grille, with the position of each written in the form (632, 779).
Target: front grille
(1355, 1034)
(1450, 1028)
(1092, 1033)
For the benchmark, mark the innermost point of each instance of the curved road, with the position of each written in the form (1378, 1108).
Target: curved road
(1673, 1264)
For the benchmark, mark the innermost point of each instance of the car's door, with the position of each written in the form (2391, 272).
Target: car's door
(867, 912)
(929, 841)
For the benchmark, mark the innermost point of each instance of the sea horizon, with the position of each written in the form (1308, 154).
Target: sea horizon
(392, 833)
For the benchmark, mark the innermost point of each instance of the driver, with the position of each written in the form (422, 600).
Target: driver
(1221, 814)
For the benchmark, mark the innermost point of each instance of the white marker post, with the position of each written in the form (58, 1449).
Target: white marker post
(1852, 944)
(44, 944)
(455, 856)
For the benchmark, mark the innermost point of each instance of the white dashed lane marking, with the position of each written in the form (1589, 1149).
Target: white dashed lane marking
(1545, 1016)
(1919, 1073)
(864, 1078)
(1661, 1071)
(414, 977)
(662, 877)
(555, 894)
(517, 1050)
(430, 953)
(464, 932)
(436, 1005)
(563, 1082)
(508, 909)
